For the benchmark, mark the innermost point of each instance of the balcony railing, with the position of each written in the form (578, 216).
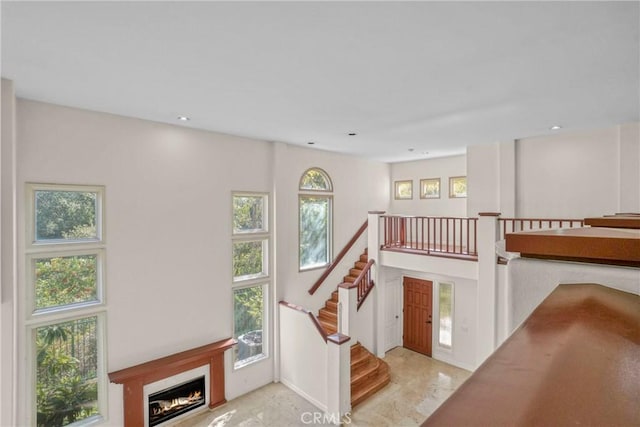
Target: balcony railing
(514, 225)
(443, 236)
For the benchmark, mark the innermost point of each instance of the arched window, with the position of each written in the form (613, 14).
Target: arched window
(315, 219)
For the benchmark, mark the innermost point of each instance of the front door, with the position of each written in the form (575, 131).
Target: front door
(417, 315)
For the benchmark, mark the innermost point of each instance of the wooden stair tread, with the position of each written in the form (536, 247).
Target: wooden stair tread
(368, 372)
(331, 316)
(371, 385)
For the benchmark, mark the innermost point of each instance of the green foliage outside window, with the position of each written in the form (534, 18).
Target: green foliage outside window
(66, 374)
(314, 231)
(248, 310)
(69, 215)
(248, 259)
(65, 280)
(315, 179)
(248, 213)
(66, 353)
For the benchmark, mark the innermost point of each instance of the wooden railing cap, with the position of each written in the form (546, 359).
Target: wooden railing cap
(488, 213)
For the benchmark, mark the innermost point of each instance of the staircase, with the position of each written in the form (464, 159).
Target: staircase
(368, 372)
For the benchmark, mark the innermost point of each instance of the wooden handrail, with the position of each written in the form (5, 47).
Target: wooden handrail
(312, 316)
(337, 259)
(363, 283)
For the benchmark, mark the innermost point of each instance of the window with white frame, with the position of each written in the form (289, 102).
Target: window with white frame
(250, 262)
(315, 219)
(445, 309)
(65, 316)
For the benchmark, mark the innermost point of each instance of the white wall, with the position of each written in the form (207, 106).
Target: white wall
(304, 362)
(463, 274)
(8, 273)
(491, 178)
(573, 174)
(168, 221)
(442, 168)
(463, 350)
(629, 158)
(359, 186)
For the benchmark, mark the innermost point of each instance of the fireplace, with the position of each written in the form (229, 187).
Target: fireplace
(175, 396)
(148, 378)
(174, 401)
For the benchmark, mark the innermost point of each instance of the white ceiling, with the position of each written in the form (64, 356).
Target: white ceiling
(429, 76)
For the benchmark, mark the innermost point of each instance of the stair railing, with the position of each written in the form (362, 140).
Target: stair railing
(338, 258)
(364, 283)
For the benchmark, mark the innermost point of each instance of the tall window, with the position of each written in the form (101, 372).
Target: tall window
(250, 260)
(445, 307)
(315, 219)
(65, 318)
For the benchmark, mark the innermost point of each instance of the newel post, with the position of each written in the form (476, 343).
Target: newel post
(339, 377)
(373, 248)
(487, 284)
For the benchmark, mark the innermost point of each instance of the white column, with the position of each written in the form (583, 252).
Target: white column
(487, 284)
(373, 245)
(348, 309)
(339, 377)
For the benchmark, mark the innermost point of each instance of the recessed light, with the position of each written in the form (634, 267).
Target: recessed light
(352, 134)
(310, 142)
(410, 150)
(555, 127)
(183, 118)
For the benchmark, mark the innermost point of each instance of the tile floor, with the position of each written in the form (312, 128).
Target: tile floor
(418, 386)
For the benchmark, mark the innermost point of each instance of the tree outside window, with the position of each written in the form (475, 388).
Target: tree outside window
(64, 274)
(250, 242)
(315, 219)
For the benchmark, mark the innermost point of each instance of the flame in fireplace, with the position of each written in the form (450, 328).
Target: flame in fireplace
(165, 406)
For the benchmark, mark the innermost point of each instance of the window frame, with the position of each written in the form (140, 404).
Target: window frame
(452, 308)
(253, 280)
(396, 189)
(265, 214)
(325, 193)
(265, 322)
(265, 258)
(39, 318)
(31, 258)
(329, 237)
(452, 193)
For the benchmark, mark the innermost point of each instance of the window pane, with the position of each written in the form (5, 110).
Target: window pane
(315, 179)
(248, 259)
(458, 186)
(248, 214)
(66, 373)
(446, 314)
(248, 313)
(65, 215)
(314, 231)
(65, 280)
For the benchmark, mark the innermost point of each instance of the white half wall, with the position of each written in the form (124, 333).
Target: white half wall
(530, 281)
